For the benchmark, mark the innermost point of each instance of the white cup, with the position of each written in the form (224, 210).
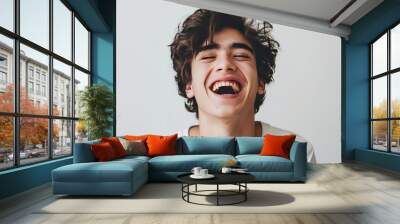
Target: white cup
(196, 170)
(203, 172)
(226, 170)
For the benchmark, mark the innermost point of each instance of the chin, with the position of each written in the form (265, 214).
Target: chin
(229, 112)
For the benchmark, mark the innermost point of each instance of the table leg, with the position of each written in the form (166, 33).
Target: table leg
(196, 188)
(182, 188)
(217, 194)
(245, 193)
(188, 190)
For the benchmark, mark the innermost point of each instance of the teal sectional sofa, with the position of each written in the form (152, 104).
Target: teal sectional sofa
(125, 176)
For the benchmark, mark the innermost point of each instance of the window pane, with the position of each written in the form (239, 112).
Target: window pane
(62, 137)
(379, 135)
(33, 140)
(6, 142)
(7, 14)
(395, 94)
(379, 55)
(379, 100)
(62, 29)
(34, 97)
(6, 74)
(395, 136)
(81, 81)
(81, 131)
(62, 89)
(81, 45)
(395, 47)
(35, 21)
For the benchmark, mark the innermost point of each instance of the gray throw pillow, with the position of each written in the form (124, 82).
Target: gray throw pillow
(134, 147)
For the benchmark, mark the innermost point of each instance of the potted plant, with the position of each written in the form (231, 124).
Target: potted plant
(96, 102)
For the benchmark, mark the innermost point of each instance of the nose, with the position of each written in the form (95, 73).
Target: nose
(225, 63)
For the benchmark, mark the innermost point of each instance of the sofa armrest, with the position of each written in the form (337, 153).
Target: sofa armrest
(298, 155)
(83, 152)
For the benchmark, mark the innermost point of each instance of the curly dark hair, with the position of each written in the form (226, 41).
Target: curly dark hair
(200, 27)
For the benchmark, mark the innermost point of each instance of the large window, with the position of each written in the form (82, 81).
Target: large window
(44, 64)
(385, 91)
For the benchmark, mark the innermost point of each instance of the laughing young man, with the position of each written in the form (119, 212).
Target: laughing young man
(223, 64)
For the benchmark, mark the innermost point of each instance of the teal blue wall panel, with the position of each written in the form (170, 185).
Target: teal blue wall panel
(357, 99)
(24, 178)
(103, 63)
(102, 58)
(356, 84)
(89, 11)
(376, 158)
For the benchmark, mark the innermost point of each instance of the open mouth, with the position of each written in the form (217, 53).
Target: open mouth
(226, 87)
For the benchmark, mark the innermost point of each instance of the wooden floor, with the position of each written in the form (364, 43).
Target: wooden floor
(377, 188)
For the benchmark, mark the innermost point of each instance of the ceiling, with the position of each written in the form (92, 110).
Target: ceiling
(326, 16)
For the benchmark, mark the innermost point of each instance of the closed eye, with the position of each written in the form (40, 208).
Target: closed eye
(207, 58)
(241, 56)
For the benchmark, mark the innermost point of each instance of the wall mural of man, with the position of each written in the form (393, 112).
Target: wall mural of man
(223, 64)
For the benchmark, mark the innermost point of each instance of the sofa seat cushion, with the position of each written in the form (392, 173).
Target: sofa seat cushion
(112, 171)
(133, 158)
(257, 163)
(185, 163)
(249, 145)
(188, 145)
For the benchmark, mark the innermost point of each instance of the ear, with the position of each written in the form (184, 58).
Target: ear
(261, 88)
(189, 90)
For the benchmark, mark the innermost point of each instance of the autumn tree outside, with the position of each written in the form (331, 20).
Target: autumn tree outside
(33, 132)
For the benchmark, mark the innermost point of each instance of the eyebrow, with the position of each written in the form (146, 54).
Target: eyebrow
(232, 46)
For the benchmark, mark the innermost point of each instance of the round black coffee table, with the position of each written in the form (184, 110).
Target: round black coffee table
(238, 179)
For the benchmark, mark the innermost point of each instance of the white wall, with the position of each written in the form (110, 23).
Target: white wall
(304, 98)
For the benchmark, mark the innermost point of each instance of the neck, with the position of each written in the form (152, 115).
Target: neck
(236, 126)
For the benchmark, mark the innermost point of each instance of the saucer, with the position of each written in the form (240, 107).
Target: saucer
(208, 176)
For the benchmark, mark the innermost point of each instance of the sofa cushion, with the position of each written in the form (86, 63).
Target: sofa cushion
(249, 145)
(111, 171)
(206, 145)
(116, 145)
(136, 137)
(257, 163)
(185, 163)
(103, 152)
(132, 158)
(275, 145)
(83, 152)
(159, 145)
(134, 147)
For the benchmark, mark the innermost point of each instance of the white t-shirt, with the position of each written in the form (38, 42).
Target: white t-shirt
(269, 129)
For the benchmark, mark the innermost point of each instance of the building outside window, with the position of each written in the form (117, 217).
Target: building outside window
(3, 78)
(3, 61)
(30, 87)
(43, 90)
(43, 77)
(3, 72)
(38, 75)
(38, 89)
(30, 72)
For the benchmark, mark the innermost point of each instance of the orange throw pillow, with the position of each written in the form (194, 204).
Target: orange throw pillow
(136, 137)
(161, 145)
(277, 145)
(116, 145)
(103, 151)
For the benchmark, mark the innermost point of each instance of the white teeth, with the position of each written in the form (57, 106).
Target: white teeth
(235, 87)
(218, 84)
